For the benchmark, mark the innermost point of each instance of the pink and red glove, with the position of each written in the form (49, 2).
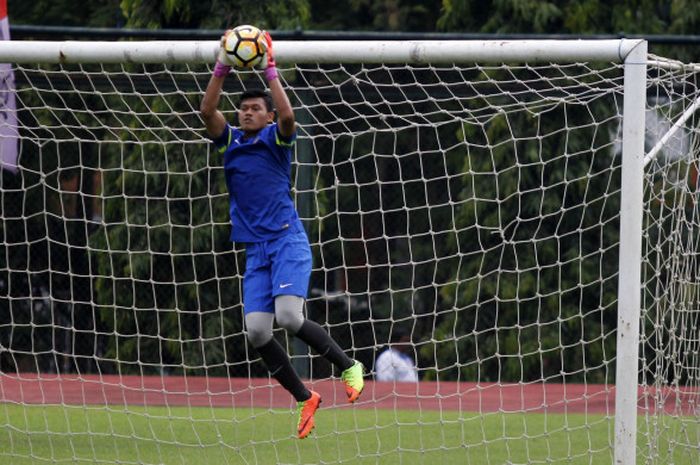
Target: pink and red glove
(271, 68)
(221, 69)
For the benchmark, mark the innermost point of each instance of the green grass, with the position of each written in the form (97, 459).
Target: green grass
(203, 436)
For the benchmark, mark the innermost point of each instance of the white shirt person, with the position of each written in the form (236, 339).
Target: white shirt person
(395, 363)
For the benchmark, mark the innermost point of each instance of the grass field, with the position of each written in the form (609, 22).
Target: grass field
(89, 434)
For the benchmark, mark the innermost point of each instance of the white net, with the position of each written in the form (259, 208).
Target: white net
(670, 327)
(476, 207)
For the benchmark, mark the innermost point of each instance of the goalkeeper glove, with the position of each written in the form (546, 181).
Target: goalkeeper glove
(271, 68)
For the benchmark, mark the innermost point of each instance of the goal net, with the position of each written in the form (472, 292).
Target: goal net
(670, 327)
(471, 195)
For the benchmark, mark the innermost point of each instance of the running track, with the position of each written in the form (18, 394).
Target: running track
(241, 392)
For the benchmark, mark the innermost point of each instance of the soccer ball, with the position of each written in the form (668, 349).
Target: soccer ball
(244, 47)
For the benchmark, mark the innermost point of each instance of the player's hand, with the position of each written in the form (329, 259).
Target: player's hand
(221, 57)
(223, 37)
(270, 53)
(222, 66)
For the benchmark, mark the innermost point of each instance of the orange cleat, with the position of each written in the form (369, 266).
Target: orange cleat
(307, 409)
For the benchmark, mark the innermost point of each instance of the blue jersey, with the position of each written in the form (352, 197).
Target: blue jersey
(258, 177)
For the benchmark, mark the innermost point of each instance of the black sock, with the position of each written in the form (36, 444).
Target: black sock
(281, 369)
(315, 336)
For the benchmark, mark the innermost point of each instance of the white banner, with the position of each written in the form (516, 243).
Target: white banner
(8, 112)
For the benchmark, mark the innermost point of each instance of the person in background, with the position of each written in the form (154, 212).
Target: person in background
(396, 363)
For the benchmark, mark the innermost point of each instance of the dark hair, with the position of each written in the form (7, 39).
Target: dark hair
(399, 334)
(258, 93)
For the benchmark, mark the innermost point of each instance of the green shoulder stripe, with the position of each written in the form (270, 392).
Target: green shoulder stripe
(281, 142)
(228, 143)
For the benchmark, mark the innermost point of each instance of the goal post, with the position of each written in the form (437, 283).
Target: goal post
(526, 211)
(630, 289)
(374, 51)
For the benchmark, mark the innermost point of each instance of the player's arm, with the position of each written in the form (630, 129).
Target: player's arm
(285, 115)
(214, 120)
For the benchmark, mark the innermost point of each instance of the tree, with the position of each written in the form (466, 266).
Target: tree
(163, 265)
(576, 17)
(221, 14)
(385, 15)
(65, 13)
(532, 204)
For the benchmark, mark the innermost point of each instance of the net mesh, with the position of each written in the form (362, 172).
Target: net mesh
(474, 207)
(670, 326)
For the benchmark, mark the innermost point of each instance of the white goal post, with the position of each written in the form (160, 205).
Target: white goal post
(501, 51)
(526, 210)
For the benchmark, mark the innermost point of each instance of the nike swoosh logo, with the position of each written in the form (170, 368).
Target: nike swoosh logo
(282, 286)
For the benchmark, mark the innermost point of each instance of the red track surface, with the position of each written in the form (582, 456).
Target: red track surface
(241, 392)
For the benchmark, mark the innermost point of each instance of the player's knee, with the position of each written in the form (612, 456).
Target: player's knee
(289, 313)
(258, 327)
(290, 320)
(258, 336)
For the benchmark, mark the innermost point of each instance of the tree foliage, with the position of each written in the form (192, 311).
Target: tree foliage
(275, 14)
(64, 13)
(367, 15)
(164, 266)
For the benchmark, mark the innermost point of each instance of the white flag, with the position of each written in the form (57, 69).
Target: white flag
(8, 112)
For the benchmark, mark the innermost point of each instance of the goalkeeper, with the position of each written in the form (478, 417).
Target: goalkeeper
(257, 165)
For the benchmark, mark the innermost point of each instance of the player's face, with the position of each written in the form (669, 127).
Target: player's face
(253, 115)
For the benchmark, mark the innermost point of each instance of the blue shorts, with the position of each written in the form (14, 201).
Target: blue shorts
(279, 266)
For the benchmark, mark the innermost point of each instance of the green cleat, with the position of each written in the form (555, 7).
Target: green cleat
(354, 381)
